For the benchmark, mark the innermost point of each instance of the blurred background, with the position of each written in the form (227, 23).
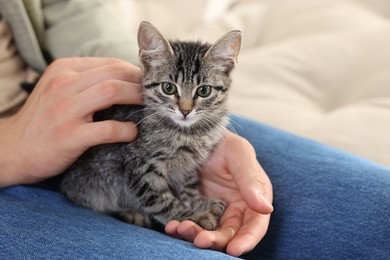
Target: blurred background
(316, 68)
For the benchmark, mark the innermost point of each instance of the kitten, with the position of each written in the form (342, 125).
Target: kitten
(183, 118)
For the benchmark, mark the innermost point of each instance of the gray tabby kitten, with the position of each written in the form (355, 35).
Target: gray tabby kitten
(182, 120)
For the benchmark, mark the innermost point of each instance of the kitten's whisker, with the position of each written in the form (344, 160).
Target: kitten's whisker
(208, 122)
(232, 128)
(139, 111)
(149, 116)
(211, 122)
(233, 123)
(243, 119)
(135, 112)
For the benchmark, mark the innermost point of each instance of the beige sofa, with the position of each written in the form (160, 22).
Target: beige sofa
(320, 69)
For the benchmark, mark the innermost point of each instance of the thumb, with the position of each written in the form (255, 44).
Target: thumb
(252, 182)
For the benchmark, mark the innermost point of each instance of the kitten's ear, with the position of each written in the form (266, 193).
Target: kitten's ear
(223, 54)
(154, 49)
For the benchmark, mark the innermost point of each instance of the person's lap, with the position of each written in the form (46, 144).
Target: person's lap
(36, 223)
(328, 204)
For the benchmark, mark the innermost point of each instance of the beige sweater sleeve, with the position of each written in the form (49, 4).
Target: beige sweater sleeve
(12, 73)
(87, 28)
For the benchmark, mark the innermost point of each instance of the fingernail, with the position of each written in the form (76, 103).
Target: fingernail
(190, 232)
(263, 198)
(209, 245)
(134, 130)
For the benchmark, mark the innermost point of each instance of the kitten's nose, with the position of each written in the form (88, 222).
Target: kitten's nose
(185, 112)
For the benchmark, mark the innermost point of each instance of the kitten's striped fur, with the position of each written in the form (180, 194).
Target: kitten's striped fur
(178, 126)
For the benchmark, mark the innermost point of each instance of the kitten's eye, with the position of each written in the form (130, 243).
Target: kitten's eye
(169, 88)
(204, 91)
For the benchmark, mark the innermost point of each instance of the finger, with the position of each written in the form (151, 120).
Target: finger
(254, 191)
(216, 240)
(71, 82)
(188, 230)
(80, 64)
(117, 71)
(105, 94)
(253, 184)
(253, 230)
(171, 228)
(108, 131)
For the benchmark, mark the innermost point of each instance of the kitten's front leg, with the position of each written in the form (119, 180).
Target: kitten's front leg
(158, 202)
(209, 217)
(209, 210)
(171, 208)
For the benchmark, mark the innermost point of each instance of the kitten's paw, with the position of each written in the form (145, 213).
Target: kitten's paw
(136, 218)
(217, 207)
(209, 219)
(205, 220)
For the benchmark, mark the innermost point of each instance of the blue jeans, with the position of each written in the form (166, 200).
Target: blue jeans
(328, 205)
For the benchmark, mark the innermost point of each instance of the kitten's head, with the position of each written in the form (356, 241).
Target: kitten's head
(186, 83)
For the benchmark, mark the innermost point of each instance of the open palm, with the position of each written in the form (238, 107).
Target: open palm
(234, 175)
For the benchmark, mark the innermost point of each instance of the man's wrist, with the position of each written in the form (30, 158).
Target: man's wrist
(9, 165)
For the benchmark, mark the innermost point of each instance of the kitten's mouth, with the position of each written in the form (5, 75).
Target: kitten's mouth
(184, 121)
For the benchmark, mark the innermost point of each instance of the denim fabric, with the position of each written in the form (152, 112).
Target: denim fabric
(42, 224)
(328, 205)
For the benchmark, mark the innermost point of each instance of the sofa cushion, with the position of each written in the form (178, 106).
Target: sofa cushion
(320, 69)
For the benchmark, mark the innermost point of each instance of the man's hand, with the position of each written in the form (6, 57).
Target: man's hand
(55, 125)
(234, 175)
